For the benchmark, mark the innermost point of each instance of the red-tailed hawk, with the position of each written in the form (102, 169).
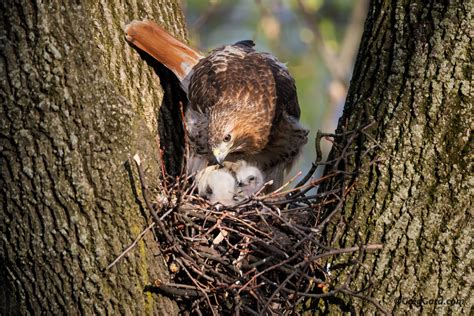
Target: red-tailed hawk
(242, 103)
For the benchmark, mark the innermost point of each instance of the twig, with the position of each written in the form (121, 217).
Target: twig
(198, 287)
(287, 183)
(278, 289)
(139, 237)
(176, 290)
(314, 165)
(266, 184)
(266, 270)
(367, 298)
(158, 221)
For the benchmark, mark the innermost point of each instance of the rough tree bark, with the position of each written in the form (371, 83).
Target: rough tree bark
(413, 75)
(76, 103)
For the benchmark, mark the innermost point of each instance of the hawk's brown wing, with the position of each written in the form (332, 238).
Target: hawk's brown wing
(287, 99)
(233, 75)
(237, 72)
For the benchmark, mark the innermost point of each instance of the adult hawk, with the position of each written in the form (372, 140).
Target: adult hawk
(242, 103)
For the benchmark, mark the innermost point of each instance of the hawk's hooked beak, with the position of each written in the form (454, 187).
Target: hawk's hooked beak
(220, 154)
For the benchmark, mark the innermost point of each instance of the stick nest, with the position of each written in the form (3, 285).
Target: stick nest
(265, 255)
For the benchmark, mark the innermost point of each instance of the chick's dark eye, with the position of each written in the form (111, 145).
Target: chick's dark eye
(227, 138)
(251, 178)
(208, 190)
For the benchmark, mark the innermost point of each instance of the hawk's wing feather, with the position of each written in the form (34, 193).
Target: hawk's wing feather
(287, 99)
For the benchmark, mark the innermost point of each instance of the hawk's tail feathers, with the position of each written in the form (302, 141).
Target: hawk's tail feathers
(154, 40)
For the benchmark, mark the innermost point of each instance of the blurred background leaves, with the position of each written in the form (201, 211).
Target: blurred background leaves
(317, 39)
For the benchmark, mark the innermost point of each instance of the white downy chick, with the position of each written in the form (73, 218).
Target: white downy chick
(249, 179)
(217, 185)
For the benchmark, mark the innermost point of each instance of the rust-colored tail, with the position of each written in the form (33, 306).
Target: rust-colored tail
(154, 40)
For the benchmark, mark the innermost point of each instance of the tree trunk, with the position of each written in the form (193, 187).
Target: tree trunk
(413, 76)
(76, 103)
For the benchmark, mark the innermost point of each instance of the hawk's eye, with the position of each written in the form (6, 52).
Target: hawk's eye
(251, 178)
(227, 138)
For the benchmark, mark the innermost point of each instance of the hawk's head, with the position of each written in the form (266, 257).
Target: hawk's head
(232, 131)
